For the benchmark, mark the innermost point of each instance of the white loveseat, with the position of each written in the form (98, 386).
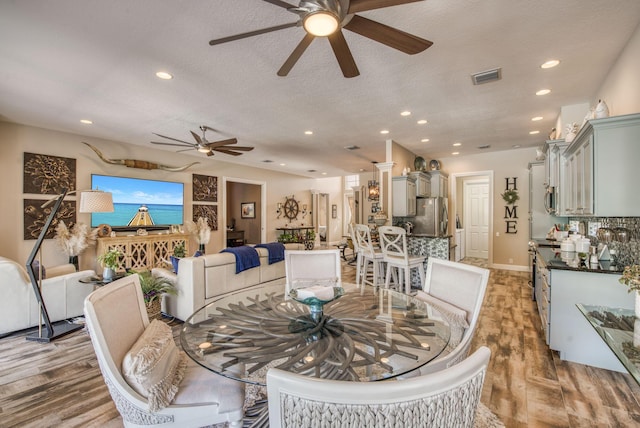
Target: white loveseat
(62, 292)
(200, 280)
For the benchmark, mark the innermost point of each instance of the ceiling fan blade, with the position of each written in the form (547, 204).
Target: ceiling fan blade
(295, 55)
(356, 6)
(213, 144)
(197, 138)
(251, 33)
(343, 54)
(240, 148)
(227, 152)
(173, 139)
(280, 3)
(392, 37)
(173, 144)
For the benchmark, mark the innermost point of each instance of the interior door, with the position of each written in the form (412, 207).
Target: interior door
(476, 219)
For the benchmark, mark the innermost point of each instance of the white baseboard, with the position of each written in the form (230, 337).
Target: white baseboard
(511, 267)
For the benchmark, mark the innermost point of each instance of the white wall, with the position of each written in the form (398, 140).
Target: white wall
(17, 139)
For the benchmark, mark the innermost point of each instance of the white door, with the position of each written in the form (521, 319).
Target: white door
(476, 218)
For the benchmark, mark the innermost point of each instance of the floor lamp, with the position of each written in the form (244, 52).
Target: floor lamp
(91, 201)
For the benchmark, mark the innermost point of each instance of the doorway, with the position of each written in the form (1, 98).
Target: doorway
(472, 204)
(239, 193)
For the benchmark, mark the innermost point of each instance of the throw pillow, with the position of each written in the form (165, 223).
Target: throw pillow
(154, 366)
(454, 316)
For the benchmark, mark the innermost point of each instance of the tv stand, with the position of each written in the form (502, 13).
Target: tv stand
(143, 252)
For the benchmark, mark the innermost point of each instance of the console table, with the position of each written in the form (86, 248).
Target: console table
(143, 252)
(235, 238)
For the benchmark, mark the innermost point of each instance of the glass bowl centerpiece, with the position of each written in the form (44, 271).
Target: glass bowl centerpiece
(316, 296)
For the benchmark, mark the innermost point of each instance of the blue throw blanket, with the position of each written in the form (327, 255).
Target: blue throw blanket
(276, 251)
(246, 257)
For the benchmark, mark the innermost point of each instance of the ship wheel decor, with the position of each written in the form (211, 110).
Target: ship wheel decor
(290, 208)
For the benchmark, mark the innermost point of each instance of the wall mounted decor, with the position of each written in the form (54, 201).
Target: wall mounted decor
(334, 211)
(35, 217)
(48, 175)
(291, 208)
(133, 163)
(205, 188)
(510, 196)
(248, 210)
(210, 212)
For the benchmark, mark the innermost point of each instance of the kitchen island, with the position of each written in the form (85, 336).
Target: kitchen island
(561, 283)
(429, 246)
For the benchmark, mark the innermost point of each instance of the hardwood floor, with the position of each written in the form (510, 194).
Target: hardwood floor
(59, 384)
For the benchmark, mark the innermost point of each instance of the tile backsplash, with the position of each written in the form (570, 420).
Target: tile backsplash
(626, 253)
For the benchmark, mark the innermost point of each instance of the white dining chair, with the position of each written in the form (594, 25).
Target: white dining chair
(116, 318)
(448, 398)
(306, 268)
(369, 256)
(451, 287)
(393, 241)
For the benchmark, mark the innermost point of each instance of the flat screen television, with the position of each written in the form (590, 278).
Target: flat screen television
(140, 203)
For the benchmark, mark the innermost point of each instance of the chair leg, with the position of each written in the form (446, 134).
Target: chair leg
(358, 273)
(388, 276)
(407, 280)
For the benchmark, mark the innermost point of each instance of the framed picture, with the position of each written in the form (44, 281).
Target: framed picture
(248, 210)
(334, 211)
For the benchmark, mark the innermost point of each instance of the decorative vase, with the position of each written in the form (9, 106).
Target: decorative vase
(154, 309)
(601, 110)
(108, 274)
(201, 248)
(74, 261)
(309, 244)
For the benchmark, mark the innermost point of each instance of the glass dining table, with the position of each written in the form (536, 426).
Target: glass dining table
(367, 334)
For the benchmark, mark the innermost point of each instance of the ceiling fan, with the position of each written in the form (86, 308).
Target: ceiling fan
(205, 146)
(327, 18)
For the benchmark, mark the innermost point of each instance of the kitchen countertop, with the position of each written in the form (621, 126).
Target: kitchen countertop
(556, 259)
(424, 235)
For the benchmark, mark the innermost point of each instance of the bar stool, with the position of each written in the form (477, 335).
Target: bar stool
(368, 257)
(393, 241)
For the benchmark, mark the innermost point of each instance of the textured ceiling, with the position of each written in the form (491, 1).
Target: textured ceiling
(64, 60)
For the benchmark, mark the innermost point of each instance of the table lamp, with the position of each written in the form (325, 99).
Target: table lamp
(91, 201)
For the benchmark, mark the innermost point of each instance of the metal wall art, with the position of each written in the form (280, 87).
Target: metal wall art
(48, 175)
(205, 188)
(35, 217)
(210, 212)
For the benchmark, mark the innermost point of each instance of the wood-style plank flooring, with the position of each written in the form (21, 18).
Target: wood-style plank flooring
(527, 385)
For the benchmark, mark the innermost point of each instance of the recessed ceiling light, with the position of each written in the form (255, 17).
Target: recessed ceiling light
(283, 164)
(422, 122)
(550, 64)
(424, 140)
(164, 75)
(86, 121)
(405, 113)
(457, 144)
(455, 153)
(516, 146)
(384, 131)
(324, 173)
(534, 132)
(537, 118)
(543, 92)
(308, 132)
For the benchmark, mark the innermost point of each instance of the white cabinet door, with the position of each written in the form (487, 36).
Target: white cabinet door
(404, 197)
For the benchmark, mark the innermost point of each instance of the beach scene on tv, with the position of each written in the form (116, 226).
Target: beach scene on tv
(139, 202)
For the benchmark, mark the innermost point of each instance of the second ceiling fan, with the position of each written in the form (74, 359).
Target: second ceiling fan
(327, 18)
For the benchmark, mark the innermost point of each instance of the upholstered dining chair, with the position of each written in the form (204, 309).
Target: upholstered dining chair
(306, 268)
(393, 241)
(370, 257)
(116, 320)
(457, 290)
(448, 398)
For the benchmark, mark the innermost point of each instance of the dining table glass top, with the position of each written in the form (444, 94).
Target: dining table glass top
(366, 334)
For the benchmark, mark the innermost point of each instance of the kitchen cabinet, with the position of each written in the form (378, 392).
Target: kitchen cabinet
(439, 184)
(600, 168)
(552, 161)
(423, 183)
(404, 196)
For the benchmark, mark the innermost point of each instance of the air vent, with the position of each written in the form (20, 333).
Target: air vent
(352, 147)
(312, 170)
(486, 146)
(486, 76)
(267, 161)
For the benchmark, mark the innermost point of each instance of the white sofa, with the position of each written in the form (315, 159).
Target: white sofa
(62, 292)
(200, 280)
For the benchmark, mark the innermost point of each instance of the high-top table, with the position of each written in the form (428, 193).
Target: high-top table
(367, 334)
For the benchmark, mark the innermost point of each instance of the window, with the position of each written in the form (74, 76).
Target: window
(351, 180)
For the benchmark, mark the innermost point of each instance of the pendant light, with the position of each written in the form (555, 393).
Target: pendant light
(374, 187)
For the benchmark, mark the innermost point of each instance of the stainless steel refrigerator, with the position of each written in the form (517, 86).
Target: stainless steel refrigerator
(539, 220)
(432, 217)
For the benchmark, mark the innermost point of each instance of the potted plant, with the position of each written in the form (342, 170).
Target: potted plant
(153, 287)
(110, 261)
(178, 253)
(631, 278)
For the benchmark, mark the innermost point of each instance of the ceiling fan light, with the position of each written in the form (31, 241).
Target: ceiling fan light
(320, 24)
(204, 149)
